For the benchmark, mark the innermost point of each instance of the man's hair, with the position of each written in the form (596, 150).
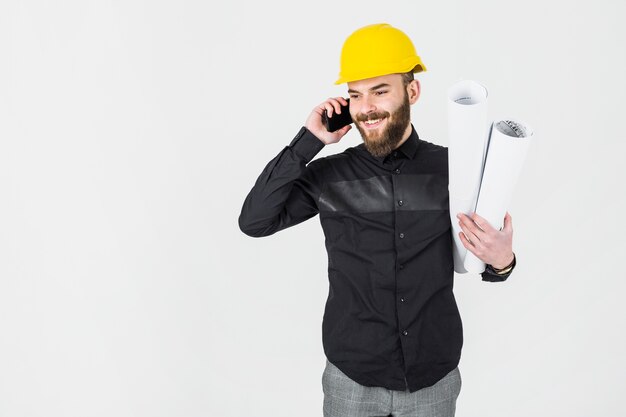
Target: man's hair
(407, 77)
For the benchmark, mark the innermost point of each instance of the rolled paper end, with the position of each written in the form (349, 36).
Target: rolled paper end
(473, 264)
(513, 128)
(467, 92)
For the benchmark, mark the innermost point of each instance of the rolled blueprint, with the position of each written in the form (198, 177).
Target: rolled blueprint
(468, 134)
(507, 149)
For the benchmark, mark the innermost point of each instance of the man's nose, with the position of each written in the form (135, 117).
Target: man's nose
(367, 106)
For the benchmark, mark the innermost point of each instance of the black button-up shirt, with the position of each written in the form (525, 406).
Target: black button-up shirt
(391, 319)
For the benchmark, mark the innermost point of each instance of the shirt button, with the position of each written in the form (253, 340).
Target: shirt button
(400, 202)
(401, 235)
(405, 333)
(401, 266)
(402, 299)
(397, 171)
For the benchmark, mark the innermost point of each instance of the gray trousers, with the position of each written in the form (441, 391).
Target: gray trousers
(345, 398)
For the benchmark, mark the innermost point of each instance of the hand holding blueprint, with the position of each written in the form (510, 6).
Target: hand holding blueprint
(485, 162)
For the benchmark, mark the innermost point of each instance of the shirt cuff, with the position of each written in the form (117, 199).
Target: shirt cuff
(491, 275)
(306, 144)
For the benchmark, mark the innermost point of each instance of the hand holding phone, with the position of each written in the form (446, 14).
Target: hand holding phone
(330, 129)
(337, 121)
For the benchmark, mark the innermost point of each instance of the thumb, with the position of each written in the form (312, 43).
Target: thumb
(508, 223)
(344, 130)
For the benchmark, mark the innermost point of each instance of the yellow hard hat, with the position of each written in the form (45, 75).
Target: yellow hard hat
(375, 50)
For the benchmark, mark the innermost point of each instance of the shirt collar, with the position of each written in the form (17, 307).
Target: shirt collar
(408, 148)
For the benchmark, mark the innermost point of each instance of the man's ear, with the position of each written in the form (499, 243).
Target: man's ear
(413, 90)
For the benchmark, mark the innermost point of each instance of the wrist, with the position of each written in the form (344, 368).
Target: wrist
(506, 264)
(306, 144)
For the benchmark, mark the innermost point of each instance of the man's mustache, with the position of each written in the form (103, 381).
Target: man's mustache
(371, 116)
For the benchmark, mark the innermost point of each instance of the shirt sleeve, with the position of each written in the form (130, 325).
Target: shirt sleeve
(490, 274)
(286, 192)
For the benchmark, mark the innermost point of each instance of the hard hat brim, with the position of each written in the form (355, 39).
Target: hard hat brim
(414, 67)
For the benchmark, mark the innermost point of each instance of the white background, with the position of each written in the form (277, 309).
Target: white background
(131, 132)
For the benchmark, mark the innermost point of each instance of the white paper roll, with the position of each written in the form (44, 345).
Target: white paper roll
(468, 134)
(507, 149)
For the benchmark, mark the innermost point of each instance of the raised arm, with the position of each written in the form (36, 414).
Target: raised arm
(287, 190)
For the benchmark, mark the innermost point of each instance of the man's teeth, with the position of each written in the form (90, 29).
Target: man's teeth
(371, 122)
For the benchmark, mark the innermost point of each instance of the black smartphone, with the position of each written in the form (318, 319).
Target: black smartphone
(337, 121)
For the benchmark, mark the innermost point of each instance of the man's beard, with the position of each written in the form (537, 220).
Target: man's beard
(382, 143)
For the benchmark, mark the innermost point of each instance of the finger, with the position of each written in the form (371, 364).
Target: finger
(321, 109)
(329, 108)
(466, 242)
(336, 105)
(482, 223)
(468, 224)
(343, 101)
(470, 247)
(469, 234)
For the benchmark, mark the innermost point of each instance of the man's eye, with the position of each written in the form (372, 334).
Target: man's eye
(380, 93)
(354, 96)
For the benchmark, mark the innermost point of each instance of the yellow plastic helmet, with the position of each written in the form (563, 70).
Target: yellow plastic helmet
(375, 50)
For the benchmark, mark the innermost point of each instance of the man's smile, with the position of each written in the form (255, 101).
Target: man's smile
(372, 124)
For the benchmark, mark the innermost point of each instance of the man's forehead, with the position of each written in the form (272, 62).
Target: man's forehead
(388, 80)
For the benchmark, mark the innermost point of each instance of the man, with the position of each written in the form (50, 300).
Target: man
(392, 332)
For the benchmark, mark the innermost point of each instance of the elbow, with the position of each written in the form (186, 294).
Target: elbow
(246, 229)
(250, 230)
(251, 233)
